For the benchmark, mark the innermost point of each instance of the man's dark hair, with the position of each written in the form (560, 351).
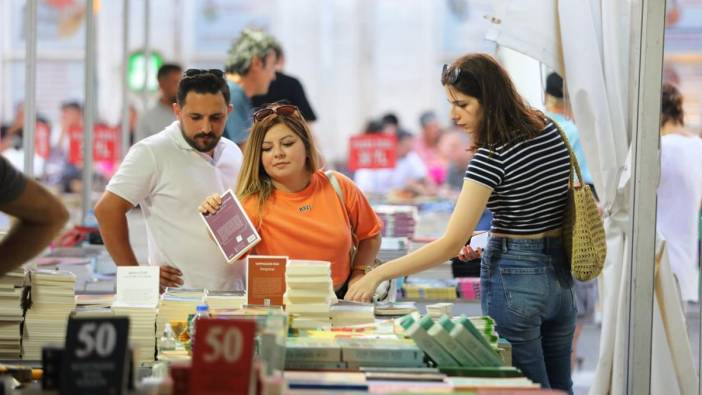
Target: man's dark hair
(202, 81)
(72, 105)
(554, 85)
(168, 68)
(671, 105)
(403, 135)
(374, 127)
(390, 119)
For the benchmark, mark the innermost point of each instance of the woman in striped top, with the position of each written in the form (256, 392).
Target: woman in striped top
(520, 171)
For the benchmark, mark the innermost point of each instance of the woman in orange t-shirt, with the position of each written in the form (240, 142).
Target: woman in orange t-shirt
(293, 204)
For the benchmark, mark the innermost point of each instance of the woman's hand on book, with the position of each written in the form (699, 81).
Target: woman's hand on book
(362, 290)
(211, 205)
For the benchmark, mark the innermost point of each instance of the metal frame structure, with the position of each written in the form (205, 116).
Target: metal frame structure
(125, 91)
(90, 107)
(30, 93)
(647, 58)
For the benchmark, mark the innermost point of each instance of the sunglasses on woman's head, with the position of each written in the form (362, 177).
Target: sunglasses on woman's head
(450, 74)
(284, 109)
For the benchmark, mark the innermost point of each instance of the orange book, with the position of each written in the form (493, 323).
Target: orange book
(266, 279)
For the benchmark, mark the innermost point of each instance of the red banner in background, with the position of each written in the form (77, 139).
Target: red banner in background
(106, 141)
(372, 151)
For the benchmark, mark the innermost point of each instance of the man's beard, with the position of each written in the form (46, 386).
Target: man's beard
(203, 142)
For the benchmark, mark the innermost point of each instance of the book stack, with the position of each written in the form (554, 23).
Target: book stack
(393, 247)
(306, 353)
(176, 304)
(469, 288)
(437, 310)
(368, 352)
(395, 309)
(429, 289)
(309, 294)
(398, 221)
(11, 313)
(142, 321)
(351, 313)
(486, 326)
(225, 300)
(53, 299)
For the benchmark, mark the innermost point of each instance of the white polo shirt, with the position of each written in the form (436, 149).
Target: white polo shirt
(169, 179)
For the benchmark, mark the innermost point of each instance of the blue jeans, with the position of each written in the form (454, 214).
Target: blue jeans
(526, 286)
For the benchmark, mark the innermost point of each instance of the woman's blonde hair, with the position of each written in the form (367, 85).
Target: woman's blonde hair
(253, 179)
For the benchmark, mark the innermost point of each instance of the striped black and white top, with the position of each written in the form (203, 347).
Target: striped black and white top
(529, 182)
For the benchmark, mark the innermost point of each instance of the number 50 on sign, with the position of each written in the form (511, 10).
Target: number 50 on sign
(223, 357)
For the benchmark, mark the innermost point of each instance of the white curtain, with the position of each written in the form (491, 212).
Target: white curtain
(588, 42)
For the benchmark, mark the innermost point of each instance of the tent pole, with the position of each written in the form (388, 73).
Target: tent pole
(125, 92)
(90, 106)
(647, 55)
(30, 91)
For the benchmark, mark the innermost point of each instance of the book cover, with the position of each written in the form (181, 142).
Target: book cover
(266, 279)
(231, 228)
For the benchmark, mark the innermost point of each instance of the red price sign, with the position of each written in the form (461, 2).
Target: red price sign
(42, 136)
(75, 146)
(374, 151)
(105, 143)
(223, 357)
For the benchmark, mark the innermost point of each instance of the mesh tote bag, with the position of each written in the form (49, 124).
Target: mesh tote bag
(583, 230)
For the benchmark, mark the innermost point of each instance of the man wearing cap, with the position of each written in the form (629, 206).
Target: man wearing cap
(250, 69)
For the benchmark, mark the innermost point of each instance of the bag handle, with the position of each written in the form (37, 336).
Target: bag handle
(340, 194)
(573, 160)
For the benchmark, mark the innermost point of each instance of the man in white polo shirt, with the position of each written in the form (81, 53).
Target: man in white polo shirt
(168, 175)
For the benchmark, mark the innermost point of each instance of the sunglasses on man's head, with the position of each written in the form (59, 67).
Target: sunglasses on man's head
(193, 72)
(450, 74)
(283, 109)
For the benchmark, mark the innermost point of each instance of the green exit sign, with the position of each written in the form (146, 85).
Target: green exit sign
(137, 74)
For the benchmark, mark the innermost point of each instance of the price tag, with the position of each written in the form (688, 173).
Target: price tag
(223, 357)
(374, 151)
(95, 358)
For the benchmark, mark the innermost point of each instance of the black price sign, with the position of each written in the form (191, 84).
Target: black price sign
(95, 360)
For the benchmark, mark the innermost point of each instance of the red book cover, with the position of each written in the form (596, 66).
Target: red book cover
(266, 279)
(231, 228)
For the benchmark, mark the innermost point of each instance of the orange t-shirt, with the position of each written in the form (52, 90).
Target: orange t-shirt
(312, 224)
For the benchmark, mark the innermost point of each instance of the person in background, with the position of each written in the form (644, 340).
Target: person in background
(520, 170)
(40, 217)
(61, 168)
(285, 89)
(427, 147)
(680, 192)
(293, 204)
(452, 146)
(409, 174)
(391, 123)
(167, 175)
(250, 68)
(161, 114)
(11, 140)
(558, 110)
